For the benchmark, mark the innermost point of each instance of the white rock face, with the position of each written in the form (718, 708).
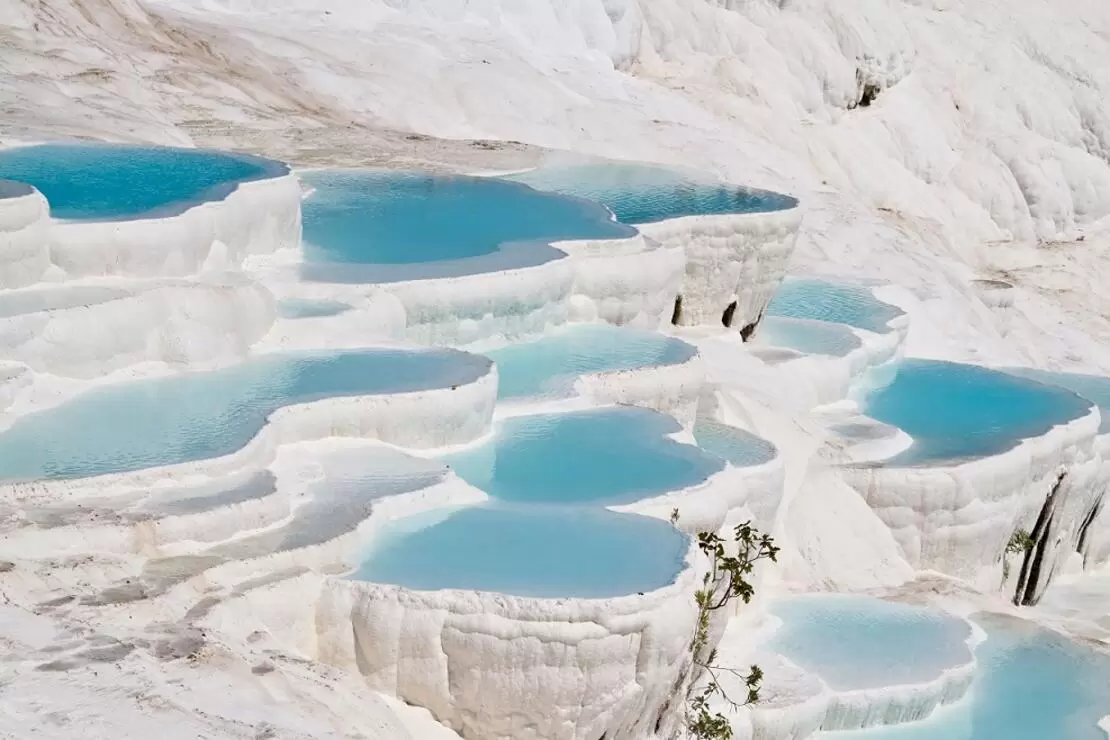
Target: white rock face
(738, 258)
(957, 519)
(87, 330)
(496, 666)
(259, 216)
(630, 282)
(24, 220)
(670, 389)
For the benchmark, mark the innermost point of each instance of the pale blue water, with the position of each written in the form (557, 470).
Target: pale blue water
(803, 335)
(381, 226)
(201, 415)
(737, 446)
(1031, 685)
(1095, 388)
(607, 456)
(117, 182)
(549, 366)
(302, 308)
(644, 193)
(840, 303)
(856, 642)
(535, 551)
(955, 411)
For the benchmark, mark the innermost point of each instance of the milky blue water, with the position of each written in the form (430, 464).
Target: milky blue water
(303, 308)
(737, 446)
(116, 182)
(386, 225)
(535, 551)
(803, 335)
(856, 642)
(606, 456)
(644, 193)
(1031, 685)
(549, 366)
(1095, 388)
(201, 415)
(955, 411)
(841, 303)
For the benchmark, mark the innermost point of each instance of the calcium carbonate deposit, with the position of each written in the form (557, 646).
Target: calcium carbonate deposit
(390, 369)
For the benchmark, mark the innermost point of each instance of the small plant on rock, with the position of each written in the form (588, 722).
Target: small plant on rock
(726, 580)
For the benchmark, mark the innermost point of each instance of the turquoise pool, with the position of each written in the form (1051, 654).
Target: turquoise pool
(856, 642)
(301, 308)
(839, 303)
(1031, 684)
(385, 226)
(1095, 388)
(549, 366)
(957, 412)
(737, 446)
(604, 456)
(110, 182)
(535, 551)
(202, 415)
(808, 336)
(644, 193)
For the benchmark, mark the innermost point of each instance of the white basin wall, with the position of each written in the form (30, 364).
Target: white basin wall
(24, 220)
(957, 519)
(456, 311)
(178, 322)
(736, 257)
(670, 389)
(504, 667)
(627, 282)
(258, 217)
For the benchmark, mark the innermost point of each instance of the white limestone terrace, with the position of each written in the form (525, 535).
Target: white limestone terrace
(144, 211)
(839, 662)
(990, 453)
(203, 424)
(737, 241)
(465, 258)
(605, 364)
(1081, 517)
(829, 339)
(24, 217)
(89, 328)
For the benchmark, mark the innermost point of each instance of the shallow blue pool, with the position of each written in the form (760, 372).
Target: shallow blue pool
(808, 336)
(303, 308)
(1095, 388)
(381, 226)
(643, 193)
(549, 366)
(840, 303)
(607, 456)
(1031, 685)
(201, 415)
(856, 642)
(536, 551)
(99, 182)
(955, 411)
(738, 446)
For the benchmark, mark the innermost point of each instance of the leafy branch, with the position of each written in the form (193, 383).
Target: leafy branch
(726, 580)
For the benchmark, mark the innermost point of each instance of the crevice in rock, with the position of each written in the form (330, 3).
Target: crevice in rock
(1026, 593)
(730, 311)
(748, 330)
(676, 315)
(1085, 527)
